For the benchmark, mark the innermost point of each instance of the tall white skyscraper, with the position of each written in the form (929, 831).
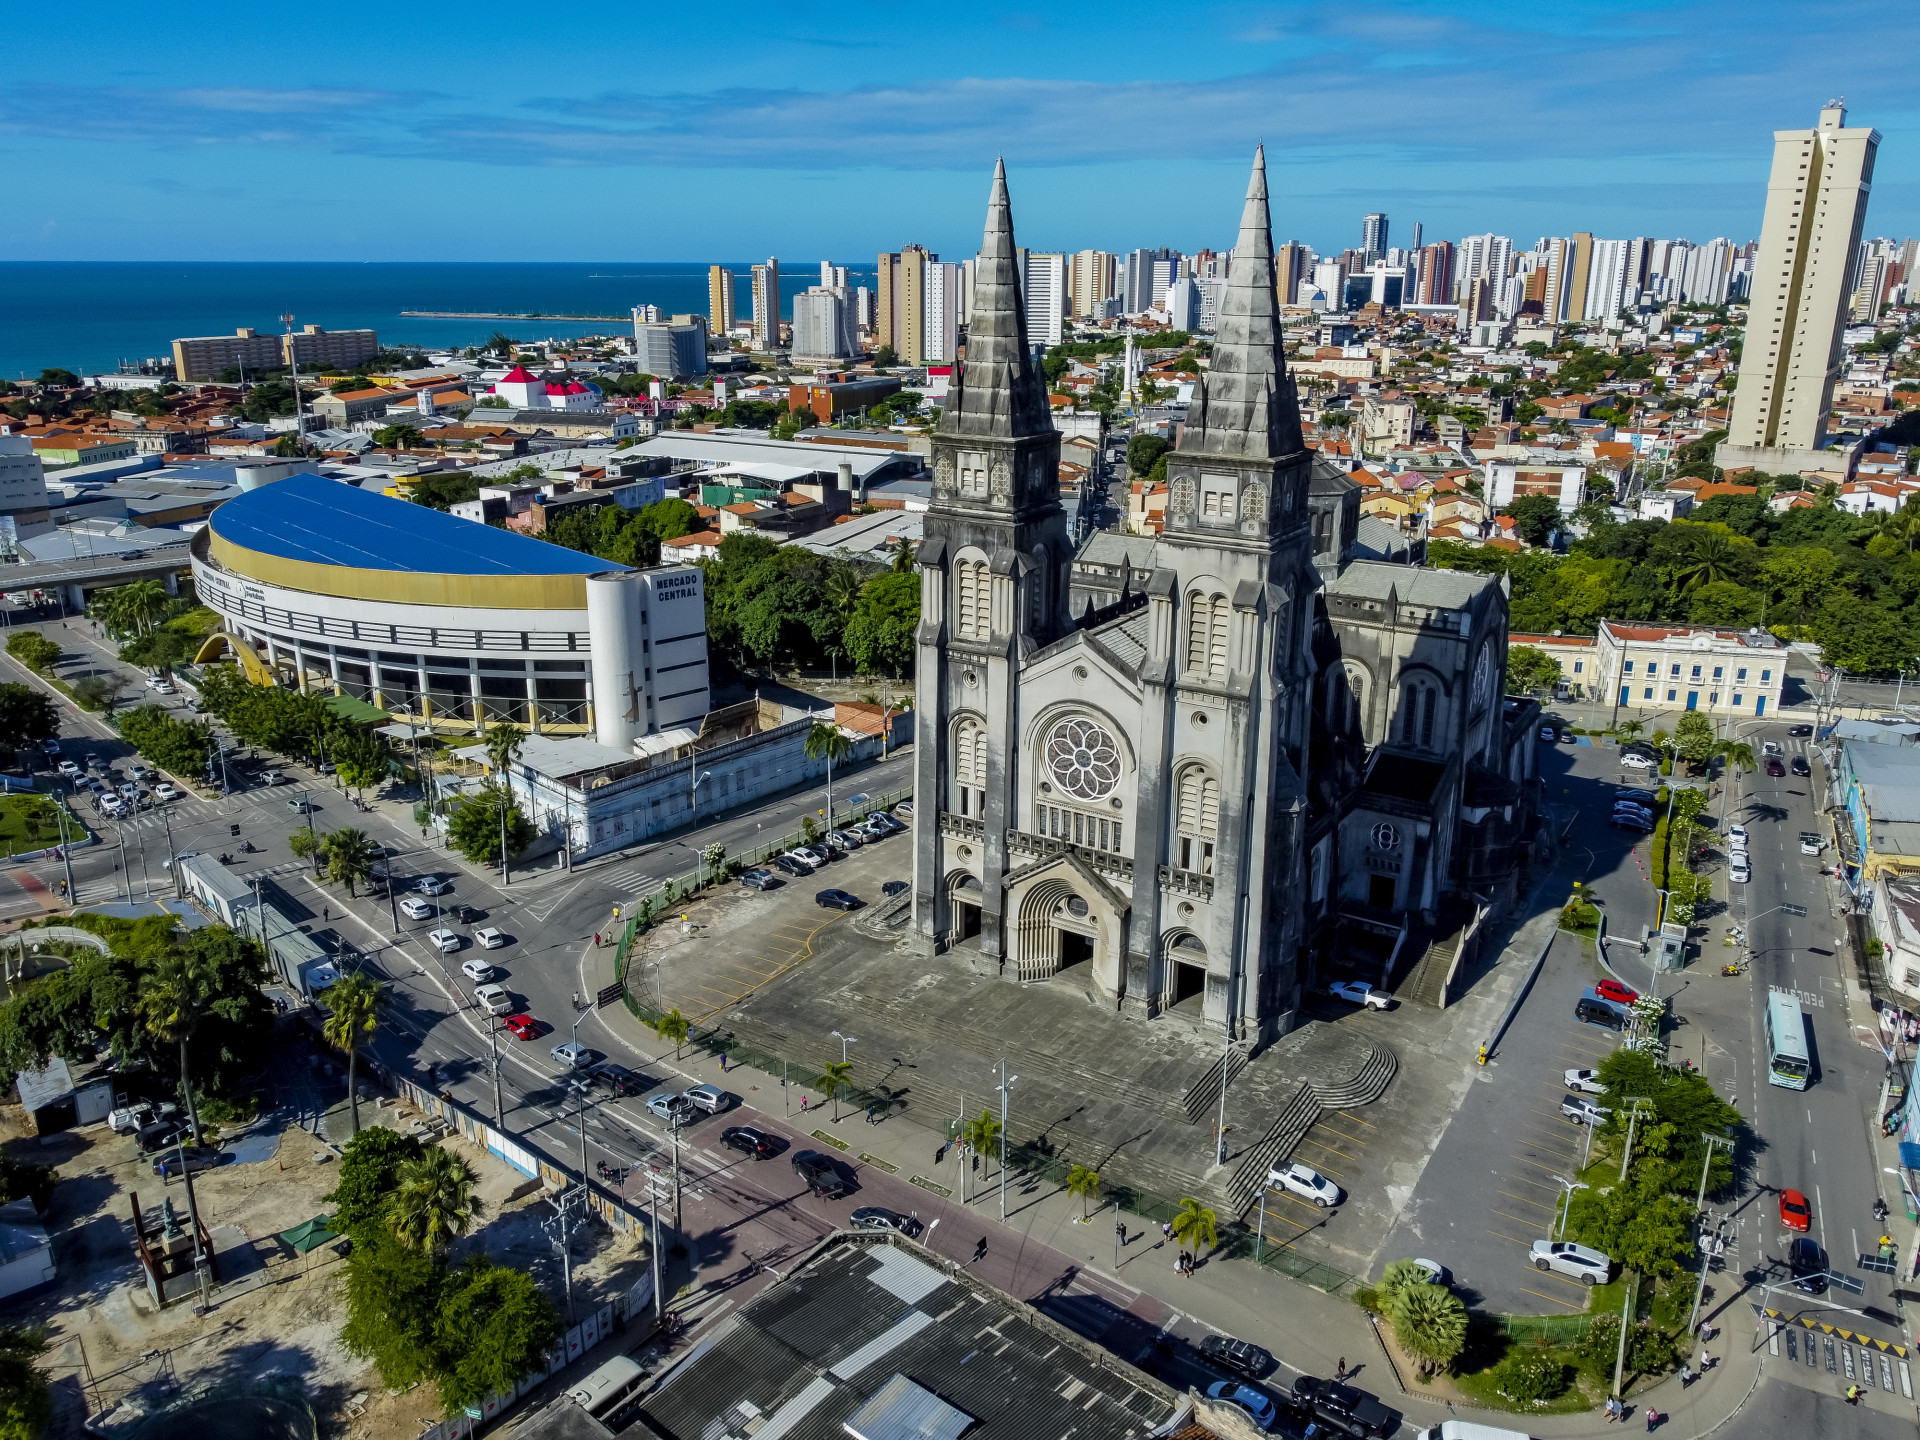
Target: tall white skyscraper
(1183, 305)
(1708, 268)
(832, 276)
(940, 314)
(1607, 281)
(820, 324)
(1803, 281)
(766, 305)
(1043, 281)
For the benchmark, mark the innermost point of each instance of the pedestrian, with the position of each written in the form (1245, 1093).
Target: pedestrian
(1853, 1394)
(1653, 1418)
(1166, 1231)
(326, 914)
(1123, 1234)
(1613, 1408)
(723, 1062)
(803, 1102)
(1686, 1376)
(1340, 1370)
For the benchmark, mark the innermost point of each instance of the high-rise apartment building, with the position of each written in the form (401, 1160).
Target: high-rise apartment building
(674, 349)
(940, 314)
(1090, 276)
(832, 276)
(203, 357)
(1436, 272)
(1606, 292)
(1553, 298)
(919, 305)
(1803, 284)
(1373, 235)
(719, 300)
(1290, 267)
(1043, 288)
(1183, 306)
(766, 305)
(1877, 267)
(1144, 267)
(820, 324)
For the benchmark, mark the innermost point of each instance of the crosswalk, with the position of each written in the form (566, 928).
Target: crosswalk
(631, 883)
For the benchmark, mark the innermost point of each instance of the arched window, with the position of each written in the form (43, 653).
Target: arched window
(972, 617)
(970, 768)
(1419, 705)
(1196, 820)
(1207, 621)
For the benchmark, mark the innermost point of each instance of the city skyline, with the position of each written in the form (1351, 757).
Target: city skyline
(1457, 116)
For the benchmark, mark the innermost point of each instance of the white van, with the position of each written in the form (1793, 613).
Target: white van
(606, 1387)
(1467, 1430)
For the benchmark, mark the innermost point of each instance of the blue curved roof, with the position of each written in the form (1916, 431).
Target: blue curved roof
(326, 522)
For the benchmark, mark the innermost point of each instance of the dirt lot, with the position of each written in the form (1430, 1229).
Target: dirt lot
(276, 1314)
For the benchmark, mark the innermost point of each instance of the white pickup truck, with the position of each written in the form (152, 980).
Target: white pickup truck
(129, 1116)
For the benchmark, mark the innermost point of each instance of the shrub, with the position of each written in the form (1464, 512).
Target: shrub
(1651, 1351)
(32, 649)
(1531, 1376)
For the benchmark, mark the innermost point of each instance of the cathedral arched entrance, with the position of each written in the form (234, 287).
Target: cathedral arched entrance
(964, 896)
(1066, 922)
(1185, 961)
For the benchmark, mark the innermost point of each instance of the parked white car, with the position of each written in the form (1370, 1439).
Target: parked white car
(1306, 1182)
(1633, 760)
(1587, 1082)
(1563, 1257)
(111, 804)
(1737, 869)
(1360, 993)
(1737, 836)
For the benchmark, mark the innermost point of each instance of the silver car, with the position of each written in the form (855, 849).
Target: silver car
(1580, 1262)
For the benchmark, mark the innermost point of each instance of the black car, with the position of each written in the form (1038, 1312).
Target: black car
(790, 867)
(161, 1133)
(1351, 1410)
(878, 1217)
(1798, 731)
(1237, 1356)
(893, 887)
(199, 1157)
(465, 914)
(820, 1173)
(749, 1141)
(1799, 765)
(1809, 1265)
(758, 879)
(616, 1079)
(837, 900)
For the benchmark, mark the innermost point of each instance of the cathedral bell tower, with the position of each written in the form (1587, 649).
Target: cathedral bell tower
(995, 565)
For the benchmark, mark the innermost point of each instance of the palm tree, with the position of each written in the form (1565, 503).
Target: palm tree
(433, 1200)
(1712, 558)
(353, 1005)
(835, 1074)
(1085, 1183)
(672, 1026)
(1431, 1324)
(1399, 1276)
(503, 745)
(824, 738)
(350, 857)
(979, 1136)
(1194, 1224)
(903, 557)
(173, 998)
(1627, 731)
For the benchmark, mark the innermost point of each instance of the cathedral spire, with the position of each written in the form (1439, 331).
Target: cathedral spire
(999, 393)
(1244, 404)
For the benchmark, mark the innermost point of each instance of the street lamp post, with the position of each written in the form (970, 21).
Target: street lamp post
(1567, 1202)
(1006, 1084)
(1220, 1132)
(493, 1055)
(1699, 1205)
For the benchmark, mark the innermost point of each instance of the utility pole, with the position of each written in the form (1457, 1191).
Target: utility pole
(1220, 1131)
(653, 1194)
(1006, 1084)
(1634, 1104)
(1699, 1205)
(493, 1052)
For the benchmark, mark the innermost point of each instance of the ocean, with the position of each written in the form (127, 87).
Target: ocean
(88, 316)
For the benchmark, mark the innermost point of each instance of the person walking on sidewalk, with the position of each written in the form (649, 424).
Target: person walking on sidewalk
(1853, 1394)
(1340, 1371)
(1166, 1231)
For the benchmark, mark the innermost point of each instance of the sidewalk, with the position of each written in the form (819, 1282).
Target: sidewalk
(1307, 1329)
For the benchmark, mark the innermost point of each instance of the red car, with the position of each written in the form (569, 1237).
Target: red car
(524, 1027)
(1795, 1213)
(1613, 990)
(1774, 766)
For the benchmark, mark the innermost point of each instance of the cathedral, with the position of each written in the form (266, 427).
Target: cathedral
(1198, 773)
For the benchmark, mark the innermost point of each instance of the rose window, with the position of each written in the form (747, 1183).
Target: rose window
(1083, 759)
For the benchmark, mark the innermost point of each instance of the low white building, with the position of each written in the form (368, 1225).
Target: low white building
(1507, 480)
(1646, 668)
(1666, 505)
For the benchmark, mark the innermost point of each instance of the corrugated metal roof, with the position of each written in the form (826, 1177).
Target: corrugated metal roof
(905, 1411)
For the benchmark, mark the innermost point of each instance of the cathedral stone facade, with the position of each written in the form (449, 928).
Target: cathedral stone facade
(1169, 770)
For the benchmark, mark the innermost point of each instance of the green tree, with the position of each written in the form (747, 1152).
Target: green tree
(1863, 639)
(1398, 1277)
(174, 997)
(369, 1170)
(1722, 602)
(475, 825)
(835, 1076)
(885, 358)
(160, 649)
(494, 1327)
(883, 629)
(1142, 451)
(1085, 1183)
(1430, 1322)
(1530, 669)
(26, 1400)
(304, 846)
(398, 437)
(712, 857)
(26, 716)
(1535, 518)
(1194, 1224)
(504, 743)
(360, 758)
(350, 857)
(981, 1135)
(33, 649)
(353, 1004)
(433, 1201)
(393, 1301)
(1694, 738)
(673, 1026)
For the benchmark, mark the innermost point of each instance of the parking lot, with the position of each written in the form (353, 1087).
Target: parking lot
(1491, 1191)
(740, 939)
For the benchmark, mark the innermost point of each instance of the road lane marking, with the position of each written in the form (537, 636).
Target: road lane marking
(1524, 1201)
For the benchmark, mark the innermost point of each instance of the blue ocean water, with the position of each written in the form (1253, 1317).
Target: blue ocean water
(88, 316)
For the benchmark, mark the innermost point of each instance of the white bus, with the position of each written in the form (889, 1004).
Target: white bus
(1787, 1062)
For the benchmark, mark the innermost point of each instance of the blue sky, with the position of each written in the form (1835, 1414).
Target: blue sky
(617, 131)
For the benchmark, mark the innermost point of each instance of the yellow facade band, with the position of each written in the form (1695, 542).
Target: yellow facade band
(402, 587)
